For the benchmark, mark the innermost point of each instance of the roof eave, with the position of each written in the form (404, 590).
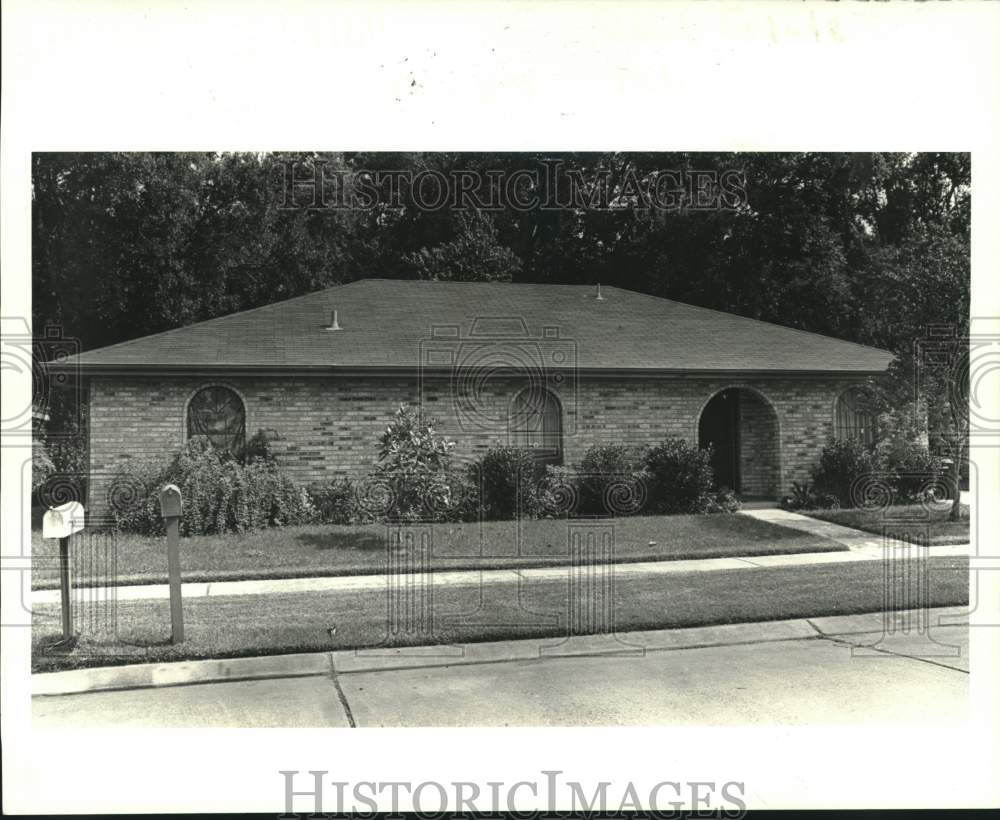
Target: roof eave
(203, 371)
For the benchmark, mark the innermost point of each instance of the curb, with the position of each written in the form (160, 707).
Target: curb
(351, 661)
(181, 673)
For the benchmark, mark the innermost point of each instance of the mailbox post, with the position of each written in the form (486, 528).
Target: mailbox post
(61, 522)
(170, 510)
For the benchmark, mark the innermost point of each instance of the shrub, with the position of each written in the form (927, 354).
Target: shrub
(841, 464)
(804, 497)
(219, 494)
(558, 492)
(415, 468)
(611, 480)
(504, 485)
(41, 465)
(336, 502)
(911, 469)
(723, 501)
(679, 478)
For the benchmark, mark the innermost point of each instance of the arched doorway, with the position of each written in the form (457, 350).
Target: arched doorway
(742, 428)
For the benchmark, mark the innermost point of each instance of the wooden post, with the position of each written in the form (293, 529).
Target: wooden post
(61, 522)
(170, 510)
(65, 590)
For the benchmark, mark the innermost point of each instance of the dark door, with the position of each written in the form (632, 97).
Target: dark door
(719, 427)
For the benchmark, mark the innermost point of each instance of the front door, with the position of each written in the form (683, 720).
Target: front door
(719, 427)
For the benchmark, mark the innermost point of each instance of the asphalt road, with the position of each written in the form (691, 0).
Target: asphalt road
(791, 682)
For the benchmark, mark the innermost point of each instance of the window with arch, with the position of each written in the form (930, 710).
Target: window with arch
(217, 412)
(535, 423)
(855, 419)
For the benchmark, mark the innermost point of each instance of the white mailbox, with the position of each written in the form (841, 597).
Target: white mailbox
(63, 521)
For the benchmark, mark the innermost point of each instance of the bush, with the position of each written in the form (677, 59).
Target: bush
(679, 478)
(841, 464)
(558, 492)
(415, 469)
(504, 485)
(336, 503)
(724, 501)
(219, 494)
(611, 481)
(41, 465)
(911, 470)
(804, 497)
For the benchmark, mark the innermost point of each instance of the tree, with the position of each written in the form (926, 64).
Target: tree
(475, 255)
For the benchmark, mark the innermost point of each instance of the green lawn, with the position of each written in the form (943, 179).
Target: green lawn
(908, 522)
(291, 552)
(272, 624)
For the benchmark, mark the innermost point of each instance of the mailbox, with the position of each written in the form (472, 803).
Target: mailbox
(63, 521)
(170, 501)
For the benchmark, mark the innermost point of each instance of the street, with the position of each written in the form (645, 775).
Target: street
(817, 680)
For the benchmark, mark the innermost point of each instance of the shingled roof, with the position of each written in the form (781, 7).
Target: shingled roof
(396, 325)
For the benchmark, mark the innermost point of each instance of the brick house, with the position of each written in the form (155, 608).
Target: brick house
(554, 367)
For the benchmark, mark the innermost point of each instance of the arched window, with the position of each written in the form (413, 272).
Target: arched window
(217, 412)
(855, 420)
(536, 423)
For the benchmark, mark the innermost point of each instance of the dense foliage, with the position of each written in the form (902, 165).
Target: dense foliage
(336, 502)
(841, 466)
(680, 478)
(900, 470)
(220, 494)
(504, 484)
(414, 468)
(611, 480)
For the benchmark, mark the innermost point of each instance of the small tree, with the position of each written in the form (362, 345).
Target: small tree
(415, 467)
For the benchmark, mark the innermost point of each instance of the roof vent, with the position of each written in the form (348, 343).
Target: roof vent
(334, 325)
(599, 297)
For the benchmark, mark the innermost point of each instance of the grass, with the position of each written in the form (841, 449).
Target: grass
(248, 625)
(307, 551)
(910, 522)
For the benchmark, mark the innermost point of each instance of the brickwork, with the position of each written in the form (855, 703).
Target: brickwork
(759, 456)
(328, 427)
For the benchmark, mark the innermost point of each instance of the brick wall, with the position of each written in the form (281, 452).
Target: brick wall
(328, 427)
(759, 454)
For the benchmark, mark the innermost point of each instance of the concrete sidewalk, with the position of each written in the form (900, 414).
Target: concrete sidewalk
(860, 546)
(848, 536)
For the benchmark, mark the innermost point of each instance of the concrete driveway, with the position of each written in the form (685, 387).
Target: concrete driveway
(792, 682)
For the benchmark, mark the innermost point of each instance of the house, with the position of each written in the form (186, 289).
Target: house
(555, 367)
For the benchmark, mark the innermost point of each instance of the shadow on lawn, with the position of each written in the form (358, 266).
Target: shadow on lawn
(360, 541)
